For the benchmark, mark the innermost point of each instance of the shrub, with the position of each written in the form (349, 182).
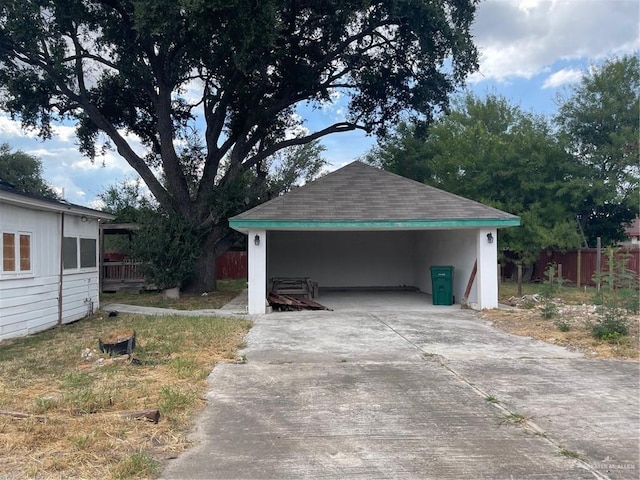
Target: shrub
(563, 325)
(549, 290)
(611, 325)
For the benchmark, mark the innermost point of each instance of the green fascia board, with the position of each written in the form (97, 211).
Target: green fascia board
(244, 224)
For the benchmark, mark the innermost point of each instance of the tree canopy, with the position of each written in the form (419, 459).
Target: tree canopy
(600, 122)
(571, 179)
(493, 152)
(152, 70)
(24, 172)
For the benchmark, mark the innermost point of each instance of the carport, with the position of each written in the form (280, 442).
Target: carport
(362, 228)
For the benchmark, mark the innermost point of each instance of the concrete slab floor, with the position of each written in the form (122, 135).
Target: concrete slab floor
(412, 394)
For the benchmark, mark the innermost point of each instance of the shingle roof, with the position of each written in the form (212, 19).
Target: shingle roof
(11, 195)
(361, 193)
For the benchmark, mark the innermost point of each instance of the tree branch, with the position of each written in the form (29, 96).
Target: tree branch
(267, 152)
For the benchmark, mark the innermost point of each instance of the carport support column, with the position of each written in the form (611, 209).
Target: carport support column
(487, 276)
(257, 271)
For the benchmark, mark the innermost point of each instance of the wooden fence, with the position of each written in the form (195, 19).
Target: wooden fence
(232, 266)
(579, 266)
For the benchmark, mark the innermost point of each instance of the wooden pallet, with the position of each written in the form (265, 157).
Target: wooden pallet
(288, 303)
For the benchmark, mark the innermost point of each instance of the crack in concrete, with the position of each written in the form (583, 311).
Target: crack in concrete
(526, 424)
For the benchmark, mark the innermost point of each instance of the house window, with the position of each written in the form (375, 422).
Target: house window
(69, 252)
(25, 252)
(16, 252)
(88, 253)
(9, 252)
(79, 252)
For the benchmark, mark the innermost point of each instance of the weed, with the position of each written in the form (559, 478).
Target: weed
(490, 399)
(44, 404)
(611, 324)
(515, 418)
(82, 441)
(137, 465)
(77, 380)
(172, 400)
(565, 452)
(549, 290)
(185, 368)
(88, 400)
(563, 325)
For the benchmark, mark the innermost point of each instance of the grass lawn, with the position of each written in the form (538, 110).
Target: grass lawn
(227, 291)
(72, 396)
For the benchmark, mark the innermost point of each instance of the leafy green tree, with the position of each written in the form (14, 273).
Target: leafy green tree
(24, 172)
(489, 150)
(600, 122)
(153, 68)
(127, 201)
(295, 166)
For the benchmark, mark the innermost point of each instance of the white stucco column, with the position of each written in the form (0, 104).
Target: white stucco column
(487, 276)
(257, 242)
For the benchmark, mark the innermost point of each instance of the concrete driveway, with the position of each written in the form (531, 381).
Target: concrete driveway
(420, 393)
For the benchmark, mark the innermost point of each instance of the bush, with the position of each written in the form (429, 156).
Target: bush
(563, 325)
(611, 325)
(550, 288)
(169, 246)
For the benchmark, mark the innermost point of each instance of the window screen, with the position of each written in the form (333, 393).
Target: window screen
(25, 252)
(9, 252)
(69, 252)
(87, 252)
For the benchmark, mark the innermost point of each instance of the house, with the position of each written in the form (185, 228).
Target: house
(633, 233)
(49, 262)
(362, 227)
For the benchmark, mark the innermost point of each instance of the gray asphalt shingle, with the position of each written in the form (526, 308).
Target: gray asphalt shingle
(361, 192)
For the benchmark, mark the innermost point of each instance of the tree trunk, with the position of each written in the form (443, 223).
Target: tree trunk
(214, 244)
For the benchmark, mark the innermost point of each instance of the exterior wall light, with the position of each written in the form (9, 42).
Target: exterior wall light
(256, 240)
(490, 237)
(84, 219)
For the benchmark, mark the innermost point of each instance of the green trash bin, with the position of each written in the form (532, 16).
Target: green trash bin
(442, 285)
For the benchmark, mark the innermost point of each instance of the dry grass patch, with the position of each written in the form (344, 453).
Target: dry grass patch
(74, 397)
(227, 291)
(570, 327)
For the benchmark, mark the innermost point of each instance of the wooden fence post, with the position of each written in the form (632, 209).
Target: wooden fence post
(598, 262)
(579, 268)
(560, 274)
(519, 279)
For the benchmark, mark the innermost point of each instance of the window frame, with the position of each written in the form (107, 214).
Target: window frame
(79, 265)
(18, 256)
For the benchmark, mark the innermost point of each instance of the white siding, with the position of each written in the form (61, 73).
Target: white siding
(455, 248)
(343, 259)
(29, 302)
(374, 259)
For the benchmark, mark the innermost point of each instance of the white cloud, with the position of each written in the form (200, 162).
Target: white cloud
(562, 77)
(522, 39)
(64, 133)
(12, 129)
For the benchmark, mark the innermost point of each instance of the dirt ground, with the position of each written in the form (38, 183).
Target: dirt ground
(529, 322)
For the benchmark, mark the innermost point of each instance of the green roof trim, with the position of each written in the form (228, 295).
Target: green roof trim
(240, 224)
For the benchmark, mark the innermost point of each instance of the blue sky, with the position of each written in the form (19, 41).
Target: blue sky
(531, 51)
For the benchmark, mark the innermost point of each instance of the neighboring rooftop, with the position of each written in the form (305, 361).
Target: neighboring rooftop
(633, 230)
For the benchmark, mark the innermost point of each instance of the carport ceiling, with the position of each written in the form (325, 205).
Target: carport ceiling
(359, 196)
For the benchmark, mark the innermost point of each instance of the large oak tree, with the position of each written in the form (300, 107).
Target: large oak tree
(151, 69)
